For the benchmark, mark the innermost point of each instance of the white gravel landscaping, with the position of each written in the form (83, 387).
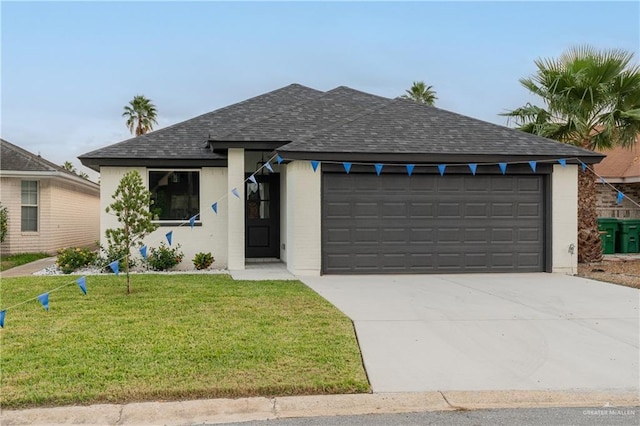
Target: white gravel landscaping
(54, 270)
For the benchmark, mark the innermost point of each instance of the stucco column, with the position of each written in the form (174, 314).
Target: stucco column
(304, 238)
(564, 217)
(235, 179)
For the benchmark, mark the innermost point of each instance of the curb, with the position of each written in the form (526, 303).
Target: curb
(261, 408)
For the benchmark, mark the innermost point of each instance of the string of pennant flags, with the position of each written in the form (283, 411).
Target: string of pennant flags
(81, 282)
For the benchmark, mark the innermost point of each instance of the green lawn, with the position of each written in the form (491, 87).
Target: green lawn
(7, 262)
(174, 337)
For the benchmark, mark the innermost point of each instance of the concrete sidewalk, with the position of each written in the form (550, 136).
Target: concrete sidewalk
(29, 268)
(261, 408)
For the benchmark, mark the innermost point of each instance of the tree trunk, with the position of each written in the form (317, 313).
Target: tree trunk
(126, 265)
(589, 243)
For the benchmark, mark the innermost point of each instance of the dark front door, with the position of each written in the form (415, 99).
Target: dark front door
(262, 217)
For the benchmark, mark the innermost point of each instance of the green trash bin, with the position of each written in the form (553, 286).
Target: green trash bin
(608, 228)
(629, 238)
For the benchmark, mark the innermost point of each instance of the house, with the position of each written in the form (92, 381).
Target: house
(425, 192)
(48, 207)
(621, 172)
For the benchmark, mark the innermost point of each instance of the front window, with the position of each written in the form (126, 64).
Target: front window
(175, 195)
(29, 192)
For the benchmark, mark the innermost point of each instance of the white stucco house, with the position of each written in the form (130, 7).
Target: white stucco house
(427, 190)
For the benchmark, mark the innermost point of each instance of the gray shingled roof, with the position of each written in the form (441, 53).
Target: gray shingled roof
(15, 159)
(342, 120)
(407, 127)
(306, 119)
(188, 139)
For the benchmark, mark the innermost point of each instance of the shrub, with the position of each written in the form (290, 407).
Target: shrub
(111, 253)
(4, 219)
(73, 258)
(203, 260)
(164, 258)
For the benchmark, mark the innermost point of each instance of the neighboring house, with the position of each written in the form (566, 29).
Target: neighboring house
(48, 207)
(621, 168)
(330, 222)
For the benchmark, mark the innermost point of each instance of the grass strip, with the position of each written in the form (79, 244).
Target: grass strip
(8, 262)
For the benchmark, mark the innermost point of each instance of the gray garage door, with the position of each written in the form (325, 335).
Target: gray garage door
(432, 224)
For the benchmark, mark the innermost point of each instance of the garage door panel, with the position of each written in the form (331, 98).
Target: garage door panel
(529, 210)
(451, 184)
(449, 210)
(502, 209)
(480, 210)
(394, 210)
(529, 184)
(420, 210)
(477, 235)
(459, 223)
(529, 235)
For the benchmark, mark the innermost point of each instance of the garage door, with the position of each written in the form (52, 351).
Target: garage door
(396, 223)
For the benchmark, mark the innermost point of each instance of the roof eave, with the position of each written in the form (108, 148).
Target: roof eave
(431, 158)
(96, 163)
(22, 174)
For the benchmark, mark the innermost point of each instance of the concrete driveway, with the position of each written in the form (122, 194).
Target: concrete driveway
(491, 331)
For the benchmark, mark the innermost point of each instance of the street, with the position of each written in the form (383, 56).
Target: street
(507, 417)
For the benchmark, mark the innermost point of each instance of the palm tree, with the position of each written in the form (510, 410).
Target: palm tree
(68, 166)
(141, 115)
(421, 93)
(591, 99)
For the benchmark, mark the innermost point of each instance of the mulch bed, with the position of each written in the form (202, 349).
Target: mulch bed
(617, 270)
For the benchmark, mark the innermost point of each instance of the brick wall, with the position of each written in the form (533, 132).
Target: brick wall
(303, 210)
(607, 200)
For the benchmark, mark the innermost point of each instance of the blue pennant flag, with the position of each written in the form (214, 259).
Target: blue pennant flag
(235, 192)
(620, 197)
(314, 164)
(473, 167)
(82, 283)
(2, 315)
(532, 164)
(602, 180)
(347, 167)
(378, 167)
(44, 299)
(584, 167)
(562, 162)
(214, 207)
(410, 168)
(279, 159)
(503, 167)
(115, 267)
(252, 178)
(169, 236)
(192, 222)
(268, 166)
(442, 168)
(143, 252)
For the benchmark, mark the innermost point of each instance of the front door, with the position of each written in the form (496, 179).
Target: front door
(262, 217)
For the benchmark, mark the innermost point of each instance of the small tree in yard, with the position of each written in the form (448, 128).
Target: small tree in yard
(4, 218)
(131, 207)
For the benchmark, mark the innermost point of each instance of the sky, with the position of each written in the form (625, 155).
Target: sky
(69, 68)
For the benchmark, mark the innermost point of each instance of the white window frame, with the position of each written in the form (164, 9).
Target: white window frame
(36, 206)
